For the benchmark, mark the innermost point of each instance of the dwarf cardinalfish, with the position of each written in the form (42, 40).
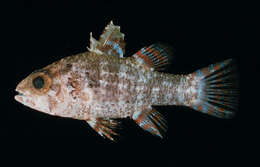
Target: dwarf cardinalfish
(101, 85)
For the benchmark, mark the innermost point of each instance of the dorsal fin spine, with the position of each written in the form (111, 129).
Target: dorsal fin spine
(111, 42)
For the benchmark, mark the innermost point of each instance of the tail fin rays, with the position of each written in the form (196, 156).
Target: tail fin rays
(219, 89)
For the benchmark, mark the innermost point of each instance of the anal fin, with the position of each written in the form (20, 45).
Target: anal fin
(151, 120)
(104, 127)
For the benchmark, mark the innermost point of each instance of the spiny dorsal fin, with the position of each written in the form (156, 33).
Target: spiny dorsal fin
(156, 56)
(111, 42)
(104, 127)
(151, 120)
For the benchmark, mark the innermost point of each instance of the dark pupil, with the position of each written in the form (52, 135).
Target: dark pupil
(38, 82)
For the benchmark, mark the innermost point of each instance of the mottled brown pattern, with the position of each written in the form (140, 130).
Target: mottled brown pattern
(100, 85)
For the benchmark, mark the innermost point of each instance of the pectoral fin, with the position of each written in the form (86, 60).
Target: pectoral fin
(151, 121)
(111, 42)
(104, 127)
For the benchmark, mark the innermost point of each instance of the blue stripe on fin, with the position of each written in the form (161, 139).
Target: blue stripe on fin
(151, 120)
(111, 42)
(218, 89)
(156, 56)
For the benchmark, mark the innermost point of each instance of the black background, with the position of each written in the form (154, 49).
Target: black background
(36, 33)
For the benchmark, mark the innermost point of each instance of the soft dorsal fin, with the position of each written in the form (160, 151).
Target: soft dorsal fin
(151, 121)
(156, 56)
(104, 127)
(111, 42)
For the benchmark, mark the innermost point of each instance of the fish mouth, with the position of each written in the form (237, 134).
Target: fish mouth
(19, 92)
(19, 96)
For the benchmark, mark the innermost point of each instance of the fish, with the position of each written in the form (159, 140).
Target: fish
(103, 86)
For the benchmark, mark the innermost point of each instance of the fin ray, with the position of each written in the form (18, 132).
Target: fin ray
(111, 42)
(156, 56)
(104, 127)
(152, 121)
(218, 89)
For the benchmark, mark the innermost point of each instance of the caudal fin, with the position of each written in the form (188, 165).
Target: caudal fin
(218, 89)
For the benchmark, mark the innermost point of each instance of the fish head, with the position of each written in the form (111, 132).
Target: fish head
(40, 90)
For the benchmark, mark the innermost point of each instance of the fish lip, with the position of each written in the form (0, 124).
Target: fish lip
(19, 93)
(19, 96)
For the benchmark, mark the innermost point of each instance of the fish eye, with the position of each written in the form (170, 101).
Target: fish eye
(38, 82)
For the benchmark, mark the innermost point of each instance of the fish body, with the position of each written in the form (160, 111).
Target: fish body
(100, 85)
